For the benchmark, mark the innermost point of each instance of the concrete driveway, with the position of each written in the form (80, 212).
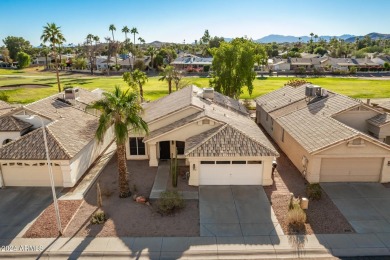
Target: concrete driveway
(366, 206)
(19, 206)
(236, 211)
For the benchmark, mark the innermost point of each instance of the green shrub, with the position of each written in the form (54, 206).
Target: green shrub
(99, 217)
(169, 202)
(4, 96)
(314, 191)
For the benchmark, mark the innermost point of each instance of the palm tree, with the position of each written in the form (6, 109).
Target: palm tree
(125, 30)
(108, 39)
(112, 29)
(168, 74)
(52, 33)
(151, 51)
(315, 37)
(45, 52)
(120, 110)
(136, 79)
(134, 31)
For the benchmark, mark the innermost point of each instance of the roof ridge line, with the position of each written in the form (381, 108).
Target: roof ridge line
(249, 137)
(208, 138)
(56, 140)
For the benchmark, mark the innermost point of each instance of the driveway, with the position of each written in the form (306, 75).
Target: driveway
(19, 206)
(236, 211)
(366, 206)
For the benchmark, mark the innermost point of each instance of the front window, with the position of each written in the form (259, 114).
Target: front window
(180, 147)
(137, 147)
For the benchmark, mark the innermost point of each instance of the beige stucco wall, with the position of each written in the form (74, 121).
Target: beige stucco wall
(30, 173)
(83, 160)
(194, 164)
(261, 118)
(295, 153)
(356, 119)
(8, 135)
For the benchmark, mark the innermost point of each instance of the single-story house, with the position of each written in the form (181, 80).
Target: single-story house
(191, 61)
(277, 64)
(71, 140)
(214, 134)
(327, 136)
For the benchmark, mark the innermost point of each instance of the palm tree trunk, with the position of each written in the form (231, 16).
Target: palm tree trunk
(170, 86)
(58, 77)
(123, 179)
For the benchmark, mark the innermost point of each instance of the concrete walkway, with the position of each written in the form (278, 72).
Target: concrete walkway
(161, 181)
(86, 183)
(248, 247)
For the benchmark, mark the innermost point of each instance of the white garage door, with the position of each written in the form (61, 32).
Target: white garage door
(231, 173)
(351, 170)
(14, 175)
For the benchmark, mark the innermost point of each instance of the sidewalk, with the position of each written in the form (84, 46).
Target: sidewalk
(251, 247)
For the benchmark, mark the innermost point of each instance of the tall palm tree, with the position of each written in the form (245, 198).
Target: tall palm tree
(151, 51)
(112, 28)
(125, 30)
(52, 33)
(168, 74)
(45, 52)
(108, 39)
(121, 110)
(136, 79)
(134, 31)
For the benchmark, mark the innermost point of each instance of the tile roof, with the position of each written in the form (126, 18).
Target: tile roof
(226, 141)
(10, 123)
(385, 105)
(313, 126)
(5, 108)
(281, 97)
(380, 119)
(31, 147)
(71, 129)
(188, 96)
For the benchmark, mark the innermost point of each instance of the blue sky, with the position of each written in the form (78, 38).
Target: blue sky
(178, 20)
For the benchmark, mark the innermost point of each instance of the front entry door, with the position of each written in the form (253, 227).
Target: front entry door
(165, 150)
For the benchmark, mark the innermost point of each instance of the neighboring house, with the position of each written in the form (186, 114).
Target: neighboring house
(70, 135)
(191, 61)
(129, 62)
(340, 64)
(366, 64)
(42, 61)
(327, 136)
(101, 62)
(214, 133)
(277, 64)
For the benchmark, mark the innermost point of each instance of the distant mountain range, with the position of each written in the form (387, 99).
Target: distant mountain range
(288, 39)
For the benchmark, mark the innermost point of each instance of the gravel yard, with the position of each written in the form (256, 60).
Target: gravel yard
(128, 218)
(323, 217)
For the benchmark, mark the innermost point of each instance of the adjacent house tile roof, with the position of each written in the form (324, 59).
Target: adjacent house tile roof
(380, 120)
(5, 108)
(227, 141)
(10, 124)
(31, 147)
(281, 97)
(70, 131)
(385, 105)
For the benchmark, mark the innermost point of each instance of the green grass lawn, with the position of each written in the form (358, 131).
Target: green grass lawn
(356, 88)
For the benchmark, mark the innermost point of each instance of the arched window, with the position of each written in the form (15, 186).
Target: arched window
(6, 141)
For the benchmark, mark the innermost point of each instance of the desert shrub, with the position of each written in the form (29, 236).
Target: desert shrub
(140, 65)
(314, 191)
(99, 217)
(296, 217)
(169, 202)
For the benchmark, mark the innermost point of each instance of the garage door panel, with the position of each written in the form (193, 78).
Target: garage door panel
(31, 176)
(351, 169)
(231, 174)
